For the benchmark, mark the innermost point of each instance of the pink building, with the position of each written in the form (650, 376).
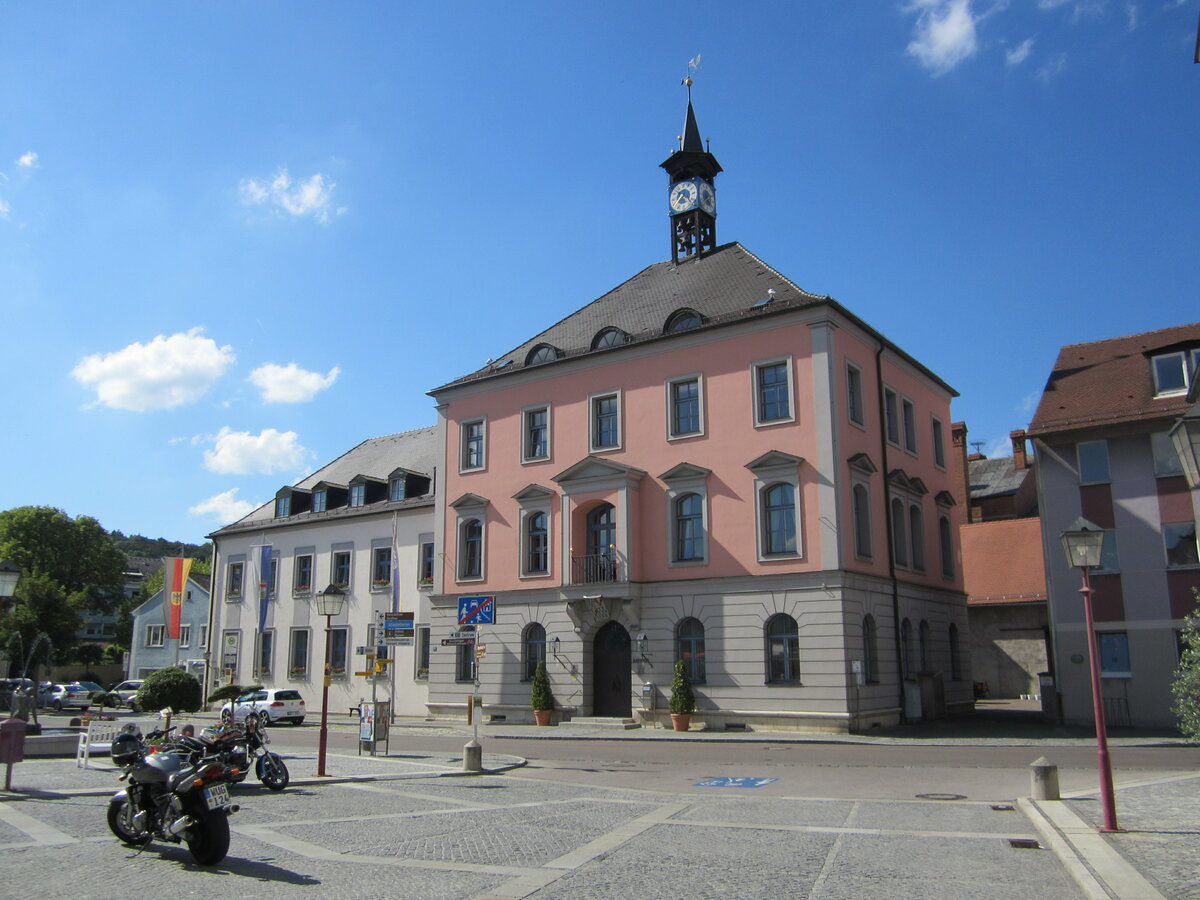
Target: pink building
(707, 463)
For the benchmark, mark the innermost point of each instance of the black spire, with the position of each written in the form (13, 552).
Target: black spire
(693, 208)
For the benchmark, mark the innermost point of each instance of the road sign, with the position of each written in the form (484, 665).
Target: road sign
(480, 651)
(477, 610)
(398, 629)
(457, 642)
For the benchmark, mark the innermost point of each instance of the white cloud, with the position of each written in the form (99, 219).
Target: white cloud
(224, 507)
(1019, 53)
(28, 160)
(1029, 402)
(290, 383)
(243, 453)
(4, 209)
(1053, 67)
(165, 373)
(1131, 15)
(310, 197)
(944, 35)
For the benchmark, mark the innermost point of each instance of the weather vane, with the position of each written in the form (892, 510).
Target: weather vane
(693, 65)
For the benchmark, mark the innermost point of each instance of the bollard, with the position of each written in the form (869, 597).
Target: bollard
(1043, 779)
(473, 756)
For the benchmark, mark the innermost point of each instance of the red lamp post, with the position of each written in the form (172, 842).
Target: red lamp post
(1084, 545)
(329, 604)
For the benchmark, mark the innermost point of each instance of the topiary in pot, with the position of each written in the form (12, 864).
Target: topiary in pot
(170, 687)
(540, 696)
(683, 698)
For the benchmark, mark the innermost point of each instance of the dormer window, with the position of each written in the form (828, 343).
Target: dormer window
(609, 337)
(540, 354)
(1172, 371)
(358, 494)
(319, 500)
(283, 506)
(396, 489)
(683, 320)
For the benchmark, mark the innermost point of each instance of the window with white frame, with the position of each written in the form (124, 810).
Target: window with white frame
(266, 652)
(1166, 460)
(533, 649)
(684, 407)
(185, 636)
(421, 657)
(777, 505)
(855, 402)
(773, 392)
(870, 651)
(425, 577)
(689, 542)
(283, 506)
(155, 635)
(358, 495)
(779, 520)
(687, 514)
(537, 543)
(472, 449)
(339, 568)
(605, 429)
(939, 442)
(397, 487)
(339, 651)
(1173, 371)
(891, 416)
(320, 499)
(381, 568)
(273, 578)
(1114, 654)
(689, 647)
(203, 641)
(235, 574)
(907, 663)
(464, 661)
(470, 549)
(909, 413)
(298, 653)
(1093, 462)
(535, 440)
(302, 574)
(1180, 540)
(946, 545)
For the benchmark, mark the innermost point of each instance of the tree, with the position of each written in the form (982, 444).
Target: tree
(683, 698)
(1185, 691)
(540, 695)
(170, 687)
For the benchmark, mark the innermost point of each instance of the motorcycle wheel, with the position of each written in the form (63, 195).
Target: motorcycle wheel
(208, 839)
(272, 772)
(120, 823)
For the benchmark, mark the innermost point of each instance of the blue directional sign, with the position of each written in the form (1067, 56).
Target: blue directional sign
(477, 610)
(736, 782)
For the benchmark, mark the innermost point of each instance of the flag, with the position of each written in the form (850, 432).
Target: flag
(175, 576)
(264, 585)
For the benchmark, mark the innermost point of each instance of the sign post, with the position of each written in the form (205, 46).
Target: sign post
(475, 611)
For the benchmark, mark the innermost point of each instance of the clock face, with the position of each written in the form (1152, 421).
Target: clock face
(684, 196)
(708, 198)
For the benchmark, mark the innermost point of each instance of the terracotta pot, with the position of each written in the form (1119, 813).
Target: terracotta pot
(542, 716)
(681, 721)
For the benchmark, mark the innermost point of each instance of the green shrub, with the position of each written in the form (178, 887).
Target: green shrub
(683, 699)
(171, 687)
(540, 695)
(1185, 691)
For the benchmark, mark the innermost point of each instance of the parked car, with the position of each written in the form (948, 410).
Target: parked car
(270, 706)
(126, 691)
(61, 696)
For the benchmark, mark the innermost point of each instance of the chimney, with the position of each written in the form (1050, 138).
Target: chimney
(961, 490)
(1020, 460)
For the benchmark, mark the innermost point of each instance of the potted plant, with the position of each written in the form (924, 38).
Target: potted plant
(683, 699)
(540, 696)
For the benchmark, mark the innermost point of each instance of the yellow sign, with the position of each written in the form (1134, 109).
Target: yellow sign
(364, 674)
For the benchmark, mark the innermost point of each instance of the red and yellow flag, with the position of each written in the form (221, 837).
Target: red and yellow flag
(175, 576)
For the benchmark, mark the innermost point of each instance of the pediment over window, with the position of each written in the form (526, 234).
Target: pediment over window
(860, 462)
(898, 478)
(685, 472)
(774, 459)
(533, 493)
(592, 469)
(917, 486)
(945, 498)
(470, 501)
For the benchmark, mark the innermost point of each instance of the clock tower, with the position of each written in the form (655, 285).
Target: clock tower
(691, 196)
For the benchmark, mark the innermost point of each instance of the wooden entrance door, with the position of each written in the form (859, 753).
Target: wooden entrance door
(612, 680)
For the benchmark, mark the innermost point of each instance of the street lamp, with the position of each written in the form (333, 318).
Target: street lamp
(329, 604)
(10, 574)
(1083, 542)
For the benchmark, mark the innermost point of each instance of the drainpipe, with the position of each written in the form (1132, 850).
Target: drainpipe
(887, 518)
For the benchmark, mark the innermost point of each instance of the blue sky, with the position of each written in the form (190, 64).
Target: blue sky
(237, 239)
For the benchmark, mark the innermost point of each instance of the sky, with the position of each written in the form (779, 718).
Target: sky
(238, 239)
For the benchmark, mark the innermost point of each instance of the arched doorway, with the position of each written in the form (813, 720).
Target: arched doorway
(612, 682)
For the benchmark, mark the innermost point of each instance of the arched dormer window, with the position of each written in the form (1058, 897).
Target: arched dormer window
(609, 337)
(542, 353)
(683, 320)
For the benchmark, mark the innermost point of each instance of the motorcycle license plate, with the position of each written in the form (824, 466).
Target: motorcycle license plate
(216, 796)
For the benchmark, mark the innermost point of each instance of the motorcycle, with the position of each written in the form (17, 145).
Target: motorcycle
(243, 746)
(171, 797)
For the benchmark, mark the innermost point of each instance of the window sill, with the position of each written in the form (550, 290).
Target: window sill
(687, 563)
(1117, 675)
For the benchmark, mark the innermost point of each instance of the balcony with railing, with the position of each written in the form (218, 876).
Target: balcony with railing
(597, 568)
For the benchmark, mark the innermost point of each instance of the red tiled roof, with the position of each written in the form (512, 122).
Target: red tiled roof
(1003, 561)
(1109, 382)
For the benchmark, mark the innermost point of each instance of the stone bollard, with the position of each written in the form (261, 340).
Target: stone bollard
(473, 756)
(1043, 779)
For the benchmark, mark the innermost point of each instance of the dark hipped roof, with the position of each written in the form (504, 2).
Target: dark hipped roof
(724, 286)
(1109, 382)
(415, 451)
(994, 477)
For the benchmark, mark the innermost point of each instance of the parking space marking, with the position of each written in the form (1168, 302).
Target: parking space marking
(39, 831)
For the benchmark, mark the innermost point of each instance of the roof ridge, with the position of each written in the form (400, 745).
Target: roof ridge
(758, 259)
(1126, 337)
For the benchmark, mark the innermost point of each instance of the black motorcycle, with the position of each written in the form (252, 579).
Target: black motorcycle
(171, 797)
(247, 745)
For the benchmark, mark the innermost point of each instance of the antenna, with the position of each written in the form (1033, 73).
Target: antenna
(977, 445)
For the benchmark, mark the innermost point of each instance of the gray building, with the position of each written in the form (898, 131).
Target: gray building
(151, 649)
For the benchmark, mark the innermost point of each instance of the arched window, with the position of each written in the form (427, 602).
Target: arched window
(862, 521)
(537, 557)
(609, 337)
(471, 549)
(689, 528)
(542, 353)
(534, 647)
(947, 545)
(923, 637)
(899, 538)
(955, 657)
(683, 320)
(906, 650)
(783, 650)
(779, 519)
(916, 531)
(689, 646)
(600, 564)
(870, 651)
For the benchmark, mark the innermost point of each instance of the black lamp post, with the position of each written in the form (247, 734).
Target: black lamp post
(1083, 542)
(329, 604)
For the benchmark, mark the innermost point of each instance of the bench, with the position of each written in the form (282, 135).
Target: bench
(97, 736)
